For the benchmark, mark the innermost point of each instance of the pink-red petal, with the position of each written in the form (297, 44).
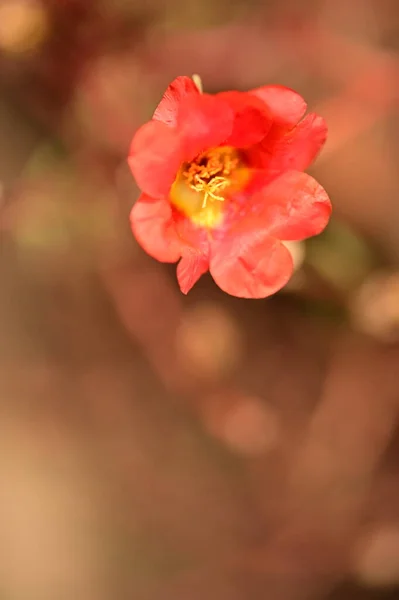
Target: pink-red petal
(250, 265)
(155, 158)
(294, 149)
(193, 236)
(292, 207)
(204, 122)
(190, 268)
(168, 109)
(286, 105)
(154, 229)
(252, 119)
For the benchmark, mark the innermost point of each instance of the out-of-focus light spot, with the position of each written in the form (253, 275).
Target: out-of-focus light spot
(376, 561)
(249, 428)
(59, 506)
(375, 307)
(298, 253)
(208, 342)
(23, 25)
(246, 424)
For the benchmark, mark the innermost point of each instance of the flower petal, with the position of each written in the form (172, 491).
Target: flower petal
(167, 110)
(292, 207)
(294, 149)
(252, 119)
(191, 234)
(251, 265)
(155, 158)
(204, 121)
(190, 269)
(153, 226)
(286, 106)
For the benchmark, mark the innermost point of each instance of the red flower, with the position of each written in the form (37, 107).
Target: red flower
(222, 184)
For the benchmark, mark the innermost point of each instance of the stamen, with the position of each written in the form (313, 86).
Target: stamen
(209, 174)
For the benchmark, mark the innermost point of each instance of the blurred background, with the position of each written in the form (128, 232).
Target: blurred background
(157, 446)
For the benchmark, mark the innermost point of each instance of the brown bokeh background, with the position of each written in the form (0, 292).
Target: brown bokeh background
(157, 446)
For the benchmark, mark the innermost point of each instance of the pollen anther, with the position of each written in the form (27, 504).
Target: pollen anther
(209, 173)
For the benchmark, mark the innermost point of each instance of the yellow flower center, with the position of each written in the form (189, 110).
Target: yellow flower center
(210, 172)
(204, 184)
